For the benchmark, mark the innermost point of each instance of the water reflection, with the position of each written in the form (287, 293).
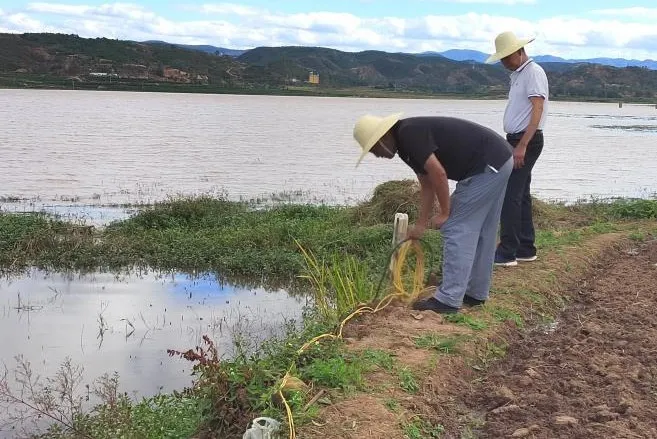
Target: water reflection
(125, 322)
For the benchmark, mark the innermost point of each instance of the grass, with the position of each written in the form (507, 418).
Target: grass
(469, 321)
(162, 416)
(336, 372)
(442, 344)
(336, 254)
(501, 314)
(418, 428)
(407, 380)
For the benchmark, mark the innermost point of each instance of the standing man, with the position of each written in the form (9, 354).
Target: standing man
(524, 117)
(480, 160)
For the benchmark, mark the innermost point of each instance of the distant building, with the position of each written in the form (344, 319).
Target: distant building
(104, 74)
(313, 78)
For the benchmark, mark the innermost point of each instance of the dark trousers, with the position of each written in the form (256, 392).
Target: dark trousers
(516, 223)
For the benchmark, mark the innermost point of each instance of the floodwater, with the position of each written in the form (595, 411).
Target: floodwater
(109, 322)
(88, 155)
(79, 148)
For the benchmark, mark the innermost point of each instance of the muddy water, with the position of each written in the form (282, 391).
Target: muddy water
(126, 322)
(63, 148)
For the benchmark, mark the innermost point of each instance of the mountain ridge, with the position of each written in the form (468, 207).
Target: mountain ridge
(453, 54)
(65, 61)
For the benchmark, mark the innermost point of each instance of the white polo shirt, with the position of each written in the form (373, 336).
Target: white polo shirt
(527, 81)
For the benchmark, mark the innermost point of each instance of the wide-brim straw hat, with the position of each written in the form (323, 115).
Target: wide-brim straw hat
(369, 129)
(507, 43)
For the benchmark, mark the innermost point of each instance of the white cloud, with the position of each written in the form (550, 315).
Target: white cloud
(320, 22)
(24, 21)
(634, 13)
(230, 8)
(493, 2)
(117, 10)
(50, 8)
(241, 27)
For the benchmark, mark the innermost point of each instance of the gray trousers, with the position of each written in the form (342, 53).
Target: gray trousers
(470, 236)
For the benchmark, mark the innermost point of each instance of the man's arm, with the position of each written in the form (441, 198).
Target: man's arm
(438, 177)
(521, 148)
(432, 184)
(427, 195)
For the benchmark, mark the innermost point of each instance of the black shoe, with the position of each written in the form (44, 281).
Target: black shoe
(528, 258)
(433, 304)
(471, 301)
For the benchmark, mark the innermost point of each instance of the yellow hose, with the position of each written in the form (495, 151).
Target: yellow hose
(398, 292)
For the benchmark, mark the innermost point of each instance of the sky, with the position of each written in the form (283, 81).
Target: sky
(570, 29)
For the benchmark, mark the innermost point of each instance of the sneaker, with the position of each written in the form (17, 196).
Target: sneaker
(471, 301)
(501, 261)
(526, 258)
(433, 304)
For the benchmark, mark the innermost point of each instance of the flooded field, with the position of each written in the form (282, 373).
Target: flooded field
(126, 322)
(116, 148)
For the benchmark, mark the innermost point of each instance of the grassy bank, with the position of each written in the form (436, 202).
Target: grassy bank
(50, 82)
(388, 356)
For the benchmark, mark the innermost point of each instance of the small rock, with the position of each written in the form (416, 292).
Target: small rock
(525, 381)
(417, 316)
(612, 378)
(505, 409)
(604, 414)
(534, 427)
(532, 373)
(521, 432)
(565, 420)
(624, 405)
(506, 393)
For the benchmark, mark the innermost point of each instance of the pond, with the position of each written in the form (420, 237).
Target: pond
(125, 322)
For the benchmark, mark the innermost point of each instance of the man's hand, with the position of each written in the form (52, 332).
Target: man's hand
(416, 232)
(519, 155)
(437, 221)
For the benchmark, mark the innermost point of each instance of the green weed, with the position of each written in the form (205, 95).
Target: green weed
(337, 372)
(383, 359)
(407, 380)
(637, 236)
(445, 345)
(633, 209)
(490, 353)
(503, 315)
(391, 404)
(466, 320)
(421, 429)
(339, 287)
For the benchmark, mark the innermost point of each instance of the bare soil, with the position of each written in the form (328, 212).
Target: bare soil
(591, 375)
(595, 374)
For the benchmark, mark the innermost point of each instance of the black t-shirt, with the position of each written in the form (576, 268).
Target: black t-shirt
(464, 148)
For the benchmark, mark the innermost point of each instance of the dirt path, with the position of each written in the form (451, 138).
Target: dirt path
(594, 375)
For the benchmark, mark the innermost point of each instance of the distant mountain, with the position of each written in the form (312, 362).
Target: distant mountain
(214, 50)
(452, 54)
(459, 55)
(36, 60)
(375, 68)
(474, 55)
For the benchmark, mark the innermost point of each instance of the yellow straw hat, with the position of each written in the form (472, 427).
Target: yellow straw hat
(505, 44)
(369, 130)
